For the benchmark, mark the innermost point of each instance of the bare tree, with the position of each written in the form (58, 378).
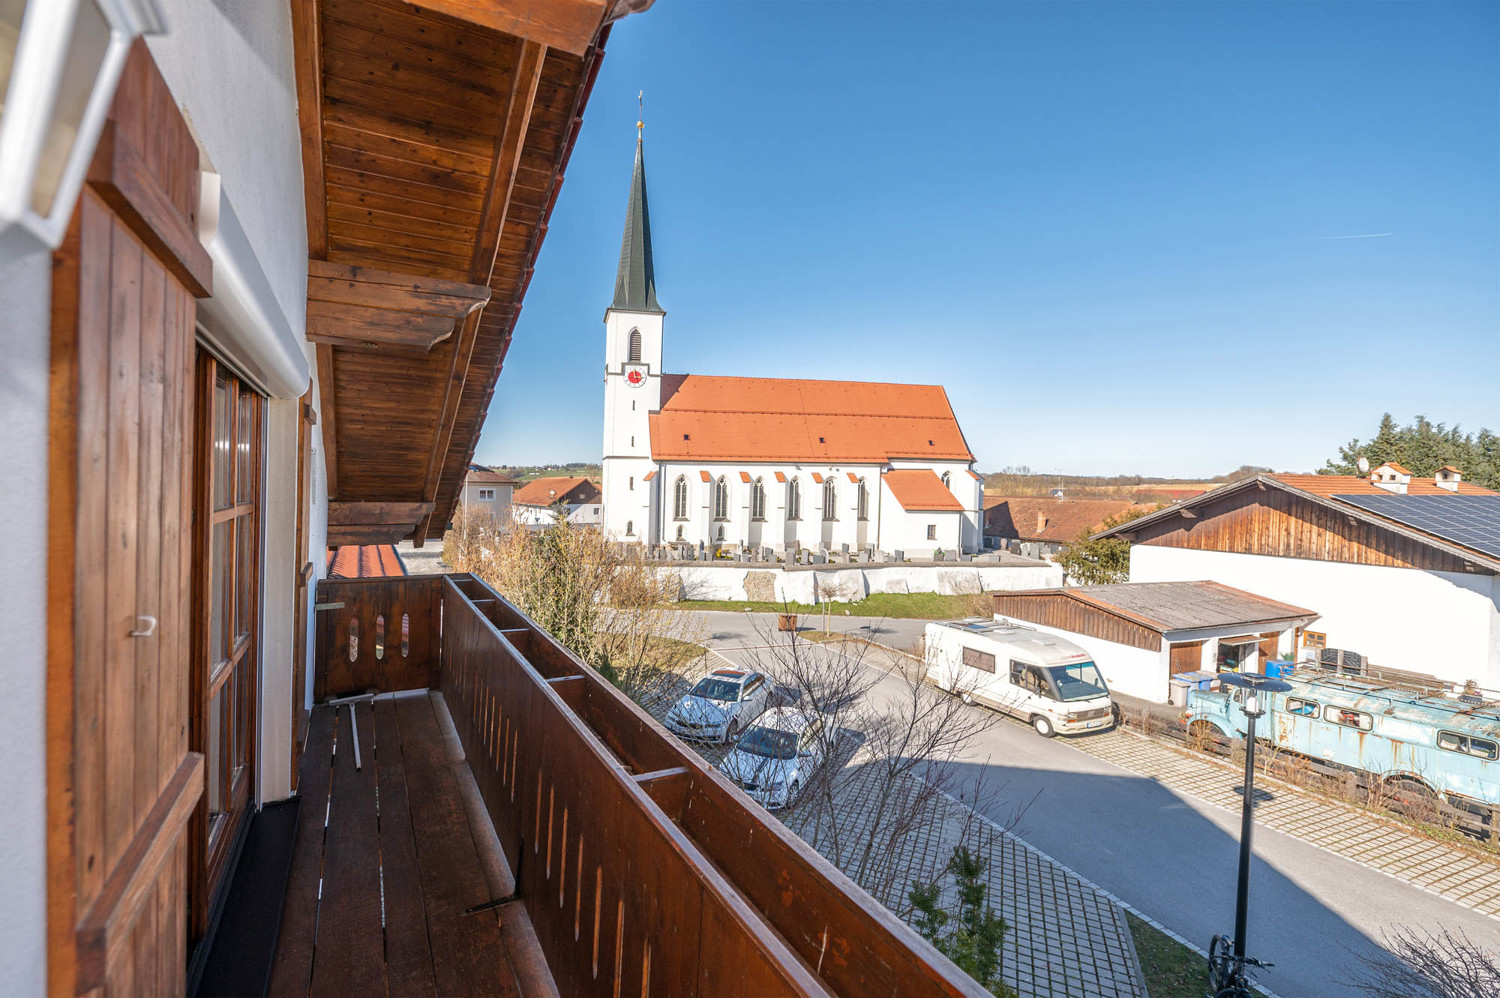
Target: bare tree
(1423, 964)
(892, 745)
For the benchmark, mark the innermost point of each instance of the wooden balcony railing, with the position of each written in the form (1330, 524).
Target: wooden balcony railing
(642, 870)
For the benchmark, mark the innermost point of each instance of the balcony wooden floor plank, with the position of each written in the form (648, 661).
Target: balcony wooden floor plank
(469, 953)
(407, 952)
(291, 972)
(349, 958)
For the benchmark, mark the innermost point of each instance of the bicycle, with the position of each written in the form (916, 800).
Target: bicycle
(1226, 970)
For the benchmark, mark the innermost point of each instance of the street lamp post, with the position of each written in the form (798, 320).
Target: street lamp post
(1256, 687)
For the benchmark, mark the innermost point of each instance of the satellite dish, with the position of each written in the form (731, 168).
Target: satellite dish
(1364, 465)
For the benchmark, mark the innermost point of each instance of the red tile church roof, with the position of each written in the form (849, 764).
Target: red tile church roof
(920, 489)
(710, 418)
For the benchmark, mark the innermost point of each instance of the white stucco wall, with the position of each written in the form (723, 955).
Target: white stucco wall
(1137, 672)
(727, 581)
(229, 65)
(1441, 623)
(25, 338)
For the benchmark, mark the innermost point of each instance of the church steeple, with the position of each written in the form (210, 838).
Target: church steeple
(635, 282)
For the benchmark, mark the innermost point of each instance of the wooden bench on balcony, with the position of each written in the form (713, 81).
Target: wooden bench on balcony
(492, 764)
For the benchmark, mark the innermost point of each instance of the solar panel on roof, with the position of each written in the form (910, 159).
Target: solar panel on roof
(1473, 521)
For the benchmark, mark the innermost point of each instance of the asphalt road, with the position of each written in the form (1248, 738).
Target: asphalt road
(1173, 857)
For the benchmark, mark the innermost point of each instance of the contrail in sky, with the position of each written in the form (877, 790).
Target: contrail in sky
(1362, 235)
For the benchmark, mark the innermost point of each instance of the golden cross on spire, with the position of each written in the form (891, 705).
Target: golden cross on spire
(640, 121)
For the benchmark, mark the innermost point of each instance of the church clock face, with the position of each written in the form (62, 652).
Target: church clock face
(635, 375)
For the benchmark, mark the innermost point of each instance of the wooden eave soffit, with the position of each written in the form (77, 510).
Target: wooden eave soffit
(569, 25)
(373, 522)
(356, 306)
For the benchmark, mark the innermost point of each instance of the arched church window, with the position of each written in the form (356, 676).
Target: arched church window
(863, 501)
(793, 500)
(629, 528)
(635, 346)
(830, 499)
(947, 480)
(758, 500)
(679, 501)
(721, 499)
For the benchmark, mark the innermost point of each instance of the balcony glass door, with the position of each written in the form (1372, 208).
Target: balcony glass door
(229, 583)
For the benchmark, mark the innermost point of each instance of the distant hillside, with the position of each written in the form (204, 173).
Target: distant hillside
(531, 472)
(1022, 481)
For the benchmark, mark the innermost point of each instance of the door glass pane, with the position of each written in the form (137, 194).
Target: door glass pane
(212, 748)
(218, 571)
(220, 451)
(245, 583)
(244, 446)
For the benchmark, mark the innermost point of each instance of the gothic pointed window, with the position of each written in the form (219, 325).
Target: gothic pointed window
(830, 499)
(635, 346)
(864, 501)
(793, 500)
(721, 499)
(679, 498)
(758, 500)
(947, 480)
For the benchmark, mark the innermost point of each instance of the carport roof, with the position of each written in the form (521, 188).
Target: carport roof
(1182, 606)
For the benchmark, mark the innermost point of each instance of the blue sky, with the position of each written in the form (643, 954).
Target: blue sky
(1117, 233)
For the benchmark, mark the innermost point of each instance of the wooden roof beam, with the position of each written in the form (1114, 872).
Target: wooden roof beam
(330, 432)
(569, 25)
(373, 522)
(307, 48)
(357, 306)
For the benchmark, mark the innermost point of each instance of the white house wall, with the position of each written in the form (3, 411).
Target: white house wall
(1137, 672)
(25, 302)
(1442, 623)
(846, 584)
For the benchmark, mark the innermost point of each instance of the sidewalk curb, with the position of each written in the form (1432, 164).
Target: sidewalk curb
(1125, 905)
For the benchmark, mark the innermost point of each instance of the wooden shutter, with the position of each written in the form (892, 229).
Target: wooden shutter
(121, 783)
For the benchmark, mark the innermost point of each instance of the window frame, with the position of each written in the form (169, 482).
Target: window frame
(758, 500)
(1317, 708)
(976, 659)
(680, 498)
(486, 495)
(830, 499)
(721, 499)
(932, 532)
(1330, 709)
(1466, 743)
(794, 498)
(862, 501)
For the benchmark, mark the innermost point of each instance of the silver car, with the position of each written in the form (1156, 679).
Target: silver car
(723, 704)
(775, 760)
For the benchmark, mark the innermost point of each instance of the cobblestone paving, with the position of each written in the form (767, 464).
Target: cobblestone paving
(1452, 872)
(1067, 939)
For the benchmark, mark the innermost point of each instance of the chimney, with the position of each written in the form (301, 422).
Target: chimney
(1448, 477)
(1391, 477)
(1041, 521)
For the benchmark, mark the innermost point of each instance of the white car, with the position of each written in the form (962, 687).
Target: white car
(724, 703)
(776, 758)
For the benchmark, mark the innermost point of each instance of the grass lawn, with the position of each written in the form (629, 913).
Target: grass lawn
(1172, 970)
(915, 606)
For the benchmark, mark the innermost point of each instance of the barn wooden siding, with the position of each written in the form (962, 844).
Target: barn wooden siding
(1286, 525)
(1054, 609)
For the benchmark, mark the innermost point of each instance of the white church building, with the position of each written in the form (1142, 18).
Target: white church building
(750, 464)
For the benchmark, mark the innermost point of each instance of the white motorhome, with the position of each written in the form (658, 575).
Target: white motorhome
(1042, 679)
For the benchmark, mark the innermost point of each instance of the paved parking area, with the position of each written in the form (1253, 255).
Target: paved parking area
(1460, 875)
(1067, 939)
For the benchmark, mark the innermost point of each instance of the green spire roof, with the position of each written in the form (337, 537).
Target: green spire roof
(635, 283)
